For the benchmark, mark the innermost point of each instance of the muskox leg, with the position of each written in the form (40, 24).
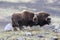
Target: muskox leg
(14, 24)
(14, 27)
(20, 27)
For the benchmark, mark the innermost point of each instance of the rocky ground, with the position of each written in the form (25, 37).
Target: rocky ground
(33, 34)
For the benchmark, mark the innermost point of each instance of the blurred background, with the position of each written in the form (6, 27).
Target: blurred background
(8, 7)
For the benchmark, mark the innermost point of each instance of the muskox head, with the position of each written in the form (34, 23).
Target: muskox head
(42, 18)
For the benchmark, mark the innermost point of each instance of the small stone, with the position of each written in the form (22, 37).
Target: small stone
(16, 33)
(28, 34)
(40, 35)
(21, 38)
(54, 38)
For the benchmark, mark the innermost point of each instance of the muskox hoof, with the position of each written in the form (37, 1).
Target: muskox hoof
(15, 29)
(21, 28)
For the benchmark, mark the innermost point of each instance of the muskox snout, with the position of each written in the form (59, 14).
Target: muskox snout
(49, 20)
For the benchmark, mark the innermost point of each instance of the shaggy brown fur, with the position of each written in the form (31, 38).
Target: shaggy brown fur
(20, 19)
(27, 18)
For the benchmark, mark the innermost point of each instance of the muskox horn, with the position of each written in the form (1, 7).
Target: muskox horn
(35, 19)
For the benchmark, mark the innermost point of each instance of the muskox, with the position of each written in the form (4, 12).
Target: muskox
(23, 18)
(27, 18)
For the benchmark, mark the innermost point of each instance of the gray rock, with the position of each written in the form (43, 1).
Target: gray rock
(57, 28)
(28, 34)
(54, 38)
(16, 33)
(1, 39)
(21, 38)
(40, 35)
